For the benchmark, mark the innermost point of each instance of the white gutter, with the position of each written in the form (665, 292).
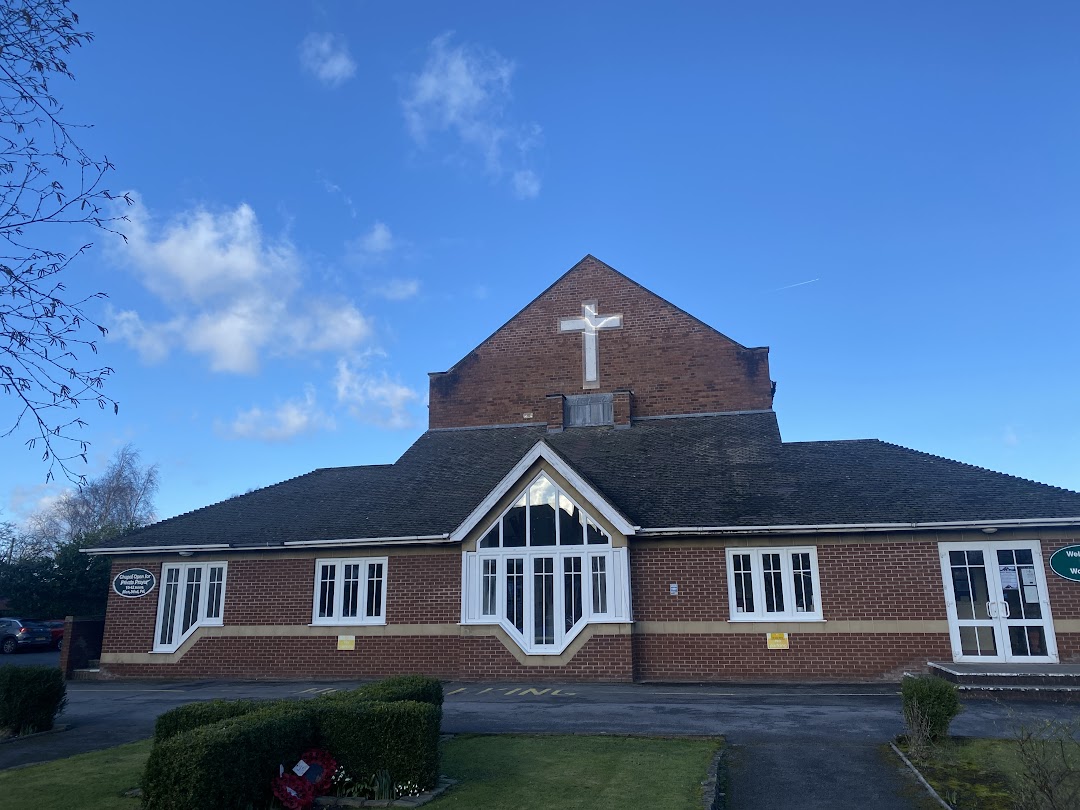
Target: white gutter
(833, 528)
(152, 549)
(426, 539)
(429, 539)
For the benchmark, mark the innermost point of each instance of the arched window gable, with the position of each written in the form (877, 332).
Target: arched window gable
(544, 569)
(543, 515)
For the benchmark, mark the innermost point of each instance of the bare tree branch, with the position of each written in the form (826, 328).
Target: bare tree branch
(46, 179)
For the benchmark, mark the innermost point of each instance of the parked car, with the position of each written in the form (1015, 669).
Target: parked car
(56, 627)
(19, 634)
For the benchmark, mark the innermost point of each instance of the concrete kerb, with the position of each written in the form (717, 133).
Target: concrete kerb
(713, 789)
(20, 737)
(920, 777)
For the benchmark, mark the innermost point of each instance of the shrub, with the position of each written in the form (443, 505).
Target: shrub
(193, 715)
(30, 698)
(365, 738)
(228, 764)
(930, 704)
(1048, 754)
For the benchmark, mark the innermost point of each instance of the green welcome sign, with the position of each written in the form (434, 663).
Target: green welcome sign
(1065, 562)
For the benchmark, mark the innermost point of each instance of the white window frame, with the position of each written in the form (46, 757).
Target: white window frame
(759, 613)
(617, 572)
(202, 620)
(339, 592)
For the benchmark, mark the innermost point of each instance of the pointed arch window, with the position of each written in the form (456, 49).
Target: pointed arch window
(544, 569)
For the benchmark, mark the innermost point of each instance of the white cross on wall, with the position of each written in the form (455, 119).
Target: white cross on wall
(589, 324)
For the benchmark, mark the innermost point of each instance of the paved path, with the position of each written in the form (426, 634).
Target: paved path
(791, 746)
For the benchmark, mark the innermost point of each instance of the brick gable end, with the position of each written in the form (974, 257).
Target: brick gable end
(671, 362)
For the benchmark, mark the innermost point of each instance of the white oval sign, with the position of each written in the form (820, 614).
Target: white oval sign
(134, 582)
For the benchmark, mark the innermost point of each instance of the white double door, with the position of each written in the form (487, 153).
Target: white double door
(997, 602)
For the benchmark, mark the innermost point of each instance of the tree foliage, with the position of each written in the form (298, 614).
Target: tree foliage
(120, 499)
(47, 179)
(46, 574)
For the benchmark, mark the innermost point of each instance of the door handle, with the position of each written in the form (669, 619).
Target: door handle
(989, 610)
(1008, 610)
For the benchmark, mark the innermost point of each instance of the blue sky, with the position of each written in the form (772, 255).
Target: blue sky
(334, 199)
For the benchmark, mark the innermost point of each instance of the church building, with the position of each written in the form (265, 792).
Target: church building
(603, 494)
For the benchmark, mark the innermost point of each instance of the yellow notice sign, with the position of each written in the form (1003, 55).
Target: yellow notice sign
(346, 642)
(777, 641)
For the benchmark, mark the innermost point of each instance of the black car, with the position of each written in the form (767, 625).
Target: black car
(16, 634)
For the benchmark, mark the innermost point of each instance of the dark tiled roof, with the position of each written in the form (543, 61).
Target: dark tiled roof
(701, 471)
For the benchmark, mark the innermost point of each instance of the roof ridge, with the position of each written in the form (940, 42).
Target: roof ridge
(833, 441)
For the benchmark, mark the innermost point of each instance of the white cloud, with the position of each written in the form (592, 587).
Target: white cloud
(374, 398)
(231, 293)
(526, 184)
(290, 419)
(26, 501)
(374, 246)
(326, 57)
(464, 90)
(396, 289)
(377, 241)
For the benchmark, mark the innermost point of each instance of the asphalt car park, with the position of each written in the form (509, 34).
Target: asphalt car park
(33, 657)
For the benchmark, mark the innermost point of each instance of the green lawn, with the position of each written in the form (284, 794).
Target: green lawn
(495, 772)
(530, 773)
(970, 773)
(981, 774)
(92, 781)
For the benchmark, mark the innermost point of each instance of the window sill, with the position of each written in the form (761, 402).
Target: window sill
(778, 620)
(348, 624)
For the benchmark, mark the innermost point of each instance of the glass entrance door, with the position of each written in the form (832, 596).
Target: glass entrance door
(996, 598)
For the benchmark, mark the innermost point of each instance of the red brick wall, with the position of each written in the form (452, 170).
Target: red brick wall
(700, 574)
(601, 658)
(858, 581)
(307, 657)
(421, 588)
(1064, 600)
(129, 623)
(424, 589)
(895, 581)
(824, 656)
(672, 362)
(269, 591)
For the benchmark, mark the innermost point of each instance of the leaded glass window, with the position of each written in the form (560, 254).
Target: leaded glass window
(773, 583)
(350, 591)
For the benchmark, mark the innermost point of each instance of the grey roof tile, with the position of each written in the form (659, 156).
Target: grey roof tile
(715, 470)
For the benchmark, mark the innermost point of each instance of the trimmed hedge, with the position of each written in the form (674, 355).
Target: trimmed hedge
(30, 698)
(224, 754)
(227, 765)
(193, 715)
(401, 738)
(931, 703)
(404, 687)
